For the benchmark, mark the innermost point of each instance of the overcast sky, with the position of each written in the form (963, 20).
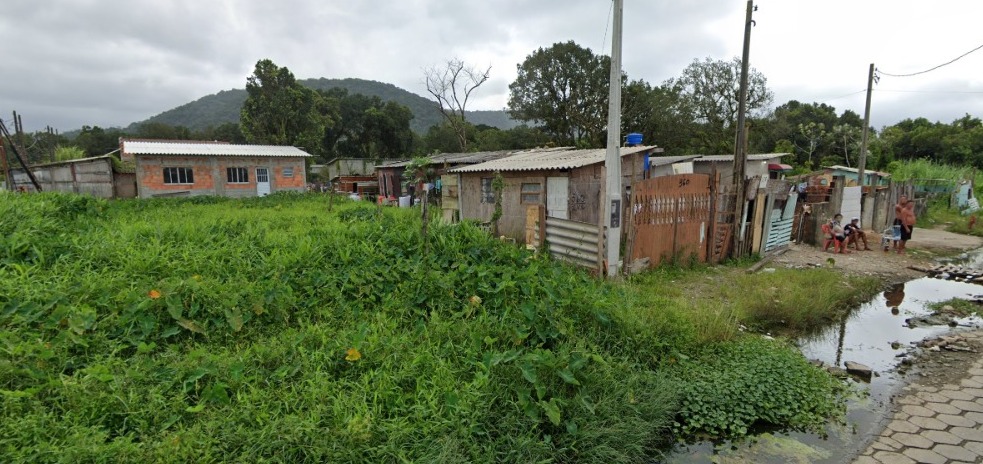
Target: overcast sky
(68, 63)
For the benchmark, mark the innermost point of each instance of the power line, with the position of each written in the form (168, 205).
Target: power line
(604, 40)
(932, 68)
(826, 99)
(932, 91)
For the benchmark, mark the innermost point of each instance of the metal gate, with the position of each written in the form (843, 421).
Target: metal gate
(671, 217)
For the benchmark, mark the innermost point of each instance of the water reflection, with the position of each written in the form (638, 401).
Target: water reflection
(875, 334)
(894, 296)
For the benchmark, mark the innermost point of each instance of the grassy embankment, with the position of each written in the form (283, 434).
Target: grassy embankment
(215, 330)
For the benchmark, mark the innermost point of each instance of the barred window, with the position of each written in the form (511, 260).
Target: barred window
(531, 193)
(237, 175)
(179, 175)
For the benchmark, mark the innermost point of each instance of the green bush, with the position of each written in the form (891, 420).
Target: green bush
(210, 330)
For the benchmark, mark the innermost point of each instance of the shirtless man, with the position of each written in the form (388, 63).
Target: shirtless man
(908, 220)
(898, 211)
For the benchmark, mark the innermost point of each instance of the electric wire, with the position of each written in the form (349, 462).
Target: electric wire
(607, 25)
(932, 68)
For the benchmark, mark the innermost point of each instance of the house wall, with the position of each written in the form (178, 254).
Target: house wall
(210, 175)
(586, 190)
(340, 167)
(513, 221)
(390, 180)
(92, 177)
(726, 169)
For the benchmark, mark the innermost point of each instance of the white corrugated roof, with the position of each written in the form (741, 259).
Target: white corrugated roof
(756, 157)
(837, 167)
(542, 159)
(665, 160)
(191, 148)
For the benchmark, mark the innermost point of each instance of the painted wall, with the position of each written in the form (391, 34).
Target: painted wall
(210, 176)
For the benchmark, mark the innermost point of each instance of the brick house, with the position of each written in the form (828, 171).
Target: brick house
(191, 168)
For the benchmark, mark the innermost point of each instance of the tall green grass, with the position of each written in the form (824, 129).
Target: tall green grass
(268, 329)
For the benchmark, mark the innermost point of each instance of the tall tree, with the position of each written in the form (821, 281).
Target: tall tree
(661, 114)
(279, 111)
(367, 127)
(813, 135)
(846, 139)
(713, 89)
(564, 90)
(451, 86)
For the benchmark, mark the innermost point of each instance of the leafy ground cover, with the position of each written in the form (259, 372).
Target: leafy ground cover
(269, 329)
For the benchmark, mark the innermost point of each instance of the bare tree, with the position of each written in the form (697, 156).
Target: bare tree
(451, 85)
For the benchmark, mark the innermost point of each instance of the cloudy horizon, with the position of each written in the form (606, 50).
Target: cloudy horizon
(121, 62)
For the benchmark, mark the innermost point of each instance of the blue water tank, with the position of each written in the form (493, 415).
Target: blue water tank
(633, 139)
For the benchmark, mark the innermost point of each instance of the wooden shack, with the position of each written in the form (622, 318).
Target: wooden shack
(570, 183)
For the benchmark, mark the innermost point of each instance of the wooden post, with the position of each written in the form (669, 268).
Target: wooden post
(760, 216)
(8, 179)
(712, 236)
(425, 220)
(542, 225)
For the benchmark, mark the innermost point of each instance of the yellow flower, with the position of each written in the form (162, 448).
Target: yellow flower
(352, 355)
(153, 294)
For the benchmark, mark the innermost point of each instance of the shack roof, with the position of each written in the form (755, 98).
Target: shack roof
(455, 158)
(755, 157)
(665, 160)
(837, 167)
(545, 159)
(193, 148)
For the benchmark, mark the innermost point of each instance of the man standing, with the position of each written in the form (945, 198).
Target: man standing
(898, 212)
(908, 220)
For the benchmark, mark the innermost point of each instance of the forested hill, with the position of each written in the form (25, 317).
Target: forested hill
(223, 107)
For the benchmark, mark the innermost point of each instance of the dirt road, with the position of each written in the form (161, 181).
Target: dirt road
(925, 246)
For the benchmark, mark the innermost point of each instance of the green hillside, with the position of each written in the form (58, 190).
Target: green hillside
(223, 107)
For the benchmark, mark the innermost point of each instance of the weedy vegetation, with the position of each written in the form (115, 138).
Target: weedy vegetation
(268, 329)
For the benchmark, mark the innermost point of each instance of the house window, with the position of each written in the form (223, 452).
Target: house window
(531, 193)
(487, 192)
(179, 175)
(288, 172)
(237, 175)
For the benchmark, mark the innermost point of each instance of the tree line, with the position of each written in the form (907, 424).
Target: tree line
(560, 95)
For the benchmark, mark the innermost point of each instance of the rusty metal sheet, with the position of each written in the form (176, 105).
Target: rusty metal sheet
(671, 216)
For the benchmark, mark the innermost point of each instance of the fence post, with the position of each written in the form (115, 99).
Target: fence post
(542, 225)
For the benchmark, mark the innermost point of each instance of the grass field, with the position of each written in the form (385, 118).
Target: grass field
(269, 329)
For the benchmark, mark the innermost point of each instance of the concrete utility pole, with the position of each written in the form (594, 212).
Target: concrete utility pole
(740, 146)
(612, 162)
(862, 163)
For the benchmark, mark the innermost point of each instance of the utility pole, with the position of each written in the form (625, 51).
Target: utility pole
(862, 163)
(740, 146)
(612, 162)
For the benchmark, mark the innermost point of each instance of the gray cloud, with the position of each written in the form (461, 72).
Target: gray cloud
(112, 62)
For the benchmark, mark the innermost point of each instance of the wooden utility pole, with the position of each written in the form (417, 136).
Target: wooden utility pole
(740, 150)
(8, 180)
(612, 162)
(862, 163)
(22, 159)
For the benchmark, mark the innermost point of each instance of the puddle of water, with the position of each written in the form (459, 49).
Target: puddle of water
(865, 336)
